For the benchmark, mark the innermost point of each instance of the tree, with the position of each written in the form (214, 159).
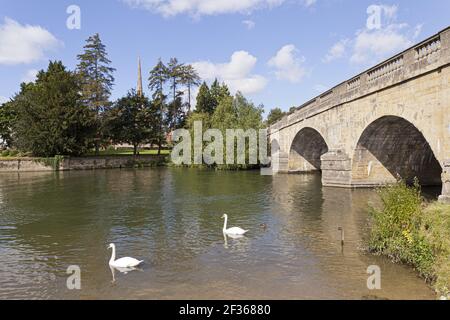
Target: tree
(7, 119)
(175, 74)
(218, 92)
(190, 78)
(159, 76)
(274, 116)
(50, 117)
(205, 102)
(237, 113)
(96, 77)
(292, 110)
(175, 115)
(132, 120)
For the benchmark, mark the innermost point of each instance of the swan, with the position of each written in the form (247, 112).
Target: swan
(122, 262)
(232, 231)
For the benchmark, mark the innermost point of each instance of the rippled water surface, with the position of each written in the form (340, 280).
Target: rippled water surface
(171, 218)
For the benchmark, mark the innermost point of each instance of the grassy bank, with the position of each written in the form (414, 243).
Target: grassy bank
(411, 231)
(128, 152)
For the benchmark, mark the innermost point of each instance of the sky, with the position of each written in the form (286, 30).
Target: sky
(279, 53)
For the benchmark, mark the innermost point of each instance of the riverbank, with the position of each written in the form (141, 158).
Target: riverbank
(409, 230)
(60, 163)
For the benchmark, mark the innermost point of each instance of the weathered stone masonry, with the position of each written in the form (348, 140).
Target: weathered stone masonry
(391, 121)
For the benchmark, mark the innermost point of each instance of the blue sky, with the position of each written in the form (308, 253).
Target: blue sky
(280, 53)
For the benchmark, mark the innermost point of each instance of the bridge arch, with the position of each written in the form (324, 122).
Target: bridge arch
(392, 147)
(306, 150)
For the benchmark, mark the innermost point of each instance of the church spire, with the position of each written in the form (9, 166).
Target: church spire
(139, 84)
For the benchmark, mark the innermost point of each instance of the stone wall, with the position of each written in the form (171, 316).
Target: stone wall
(84, 163)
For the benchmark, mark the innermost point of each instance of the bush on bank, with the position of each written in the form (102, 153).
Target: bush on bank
(409, 231)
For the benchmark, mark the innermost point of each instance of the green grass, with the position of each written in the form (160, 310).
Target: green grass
(410, 231)
(128, 152)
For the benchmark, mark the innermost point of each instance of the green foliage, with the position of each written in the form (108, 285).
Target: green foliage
(205, 103)
(190, 78)
(7, 119)
(96, 79)
(209, 99)
(53, 162)
(171, 77)
(95, 73)
(50, 118)
(406, 232)
(133, 120)
(435, 230)
(231, 113)
(274, 116)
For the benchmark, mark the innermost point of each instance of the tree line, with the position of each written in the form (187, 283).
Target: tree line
(65, 112)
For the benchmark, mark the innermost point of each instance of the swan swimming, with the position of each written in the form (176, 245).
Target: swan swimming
(126, 262)
(232, 231)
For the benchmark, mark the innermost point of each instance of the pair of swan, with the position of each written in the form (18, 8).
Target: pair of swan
(128, 263)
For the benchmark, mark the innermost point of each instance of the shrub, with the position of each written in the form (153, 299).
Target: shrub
(436, 230)
(407, 231)
(396, 228)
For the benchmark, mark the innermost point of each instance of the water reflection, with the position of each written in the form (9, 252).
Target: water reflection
(231, 236)
(171, 219)
(125, 271)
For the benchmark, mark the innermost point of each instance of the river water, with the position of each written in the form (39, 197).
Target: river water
(171, 218)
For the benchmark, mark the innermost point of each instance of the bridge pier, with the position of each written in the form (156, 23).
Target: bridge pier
(445, 197)
(280, 162)
(336, 169)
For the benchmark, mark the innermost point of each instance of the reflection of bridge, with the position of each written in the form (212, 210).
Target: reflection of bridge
(392, 120)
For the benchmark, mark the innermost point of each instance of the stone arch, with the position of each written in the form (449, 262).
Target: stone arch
(306, 150)
(392, 147)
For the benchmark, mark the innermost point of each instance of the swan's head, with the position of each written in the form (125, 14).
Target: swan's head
(225, 216)
(111, 245)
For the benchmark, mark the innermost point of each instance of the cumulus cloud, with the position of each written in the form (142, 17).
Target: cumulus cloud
(23, 44)
(373, 45)
(336, 51)
(30, 76)
(381, 37)
(237, 73)
(288, 64)
(197, 8)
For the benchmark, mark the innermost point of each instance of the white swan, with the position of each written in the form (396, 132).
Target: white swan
(122, 262)
(232, 231)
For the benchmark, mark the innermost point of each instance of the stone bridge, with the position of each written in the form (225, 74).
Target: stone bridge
(390, 121)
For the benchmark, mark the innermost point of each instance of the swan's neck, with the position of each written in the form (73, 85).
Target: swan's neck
(225, 224)
(113, 255)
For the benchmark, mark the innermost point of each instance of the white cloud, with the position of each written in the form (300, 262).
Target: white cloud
(30, 76)
(237, 73)
(3, 99)
(309, 3)
(249, 24)
(371, 46)
(381, 37)
(22, 44)
(288, 64)
(169, 8)
(336, 51)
